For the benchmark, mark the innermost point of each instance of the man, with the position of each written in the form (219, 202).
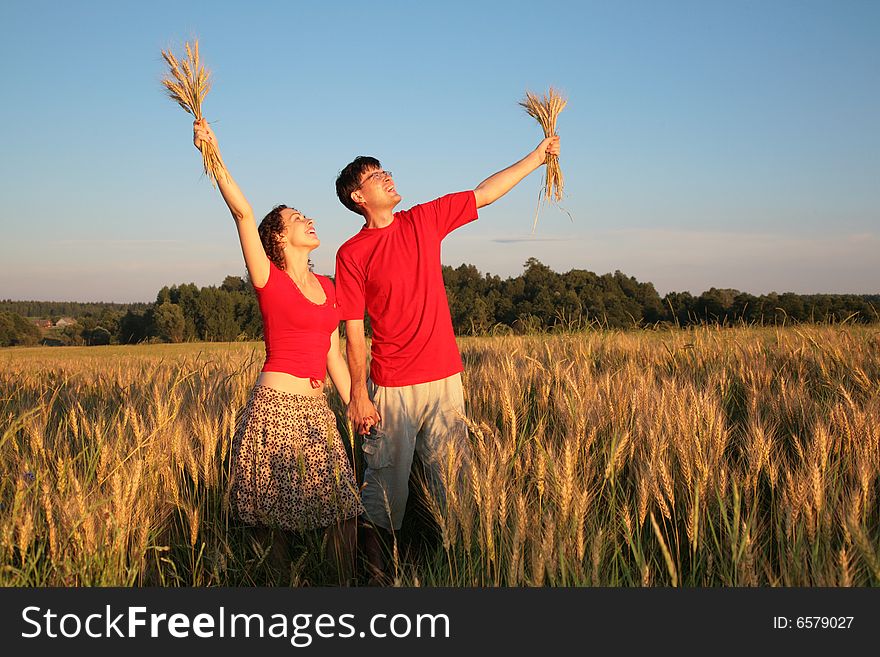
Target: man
(392, 269)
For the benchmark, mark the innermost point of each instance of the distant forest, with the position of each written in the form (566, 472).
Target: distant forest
(55, 310)
(537, 300)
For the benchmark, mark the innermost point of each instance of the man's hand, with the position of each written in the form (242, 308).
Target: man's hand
(362, 412)
(497, 185)
(550, 146)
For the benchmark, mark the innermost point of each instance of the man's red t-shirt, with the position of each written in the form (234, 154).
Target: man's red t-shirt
(394, 272)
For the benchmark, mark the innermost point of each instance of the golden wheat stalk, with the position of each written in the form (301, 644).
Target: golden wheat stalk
(546, 110)
(187, 83)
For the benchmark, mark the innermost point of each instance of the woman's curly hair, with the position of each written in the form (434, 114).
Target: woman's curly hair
(271, 230)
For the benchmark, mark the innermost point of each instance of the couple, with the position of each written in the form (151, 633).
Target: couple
(290, 469)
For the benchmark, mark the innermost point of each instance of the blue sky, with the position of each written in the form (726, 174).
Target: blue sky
(727, 144)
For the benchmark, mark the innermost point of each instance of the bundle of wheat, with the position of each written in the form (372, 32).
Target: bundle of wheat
(546, 109)
(187, 83)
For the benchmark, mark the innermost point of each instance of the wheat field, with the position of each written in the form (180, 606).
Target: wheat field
(699, 457)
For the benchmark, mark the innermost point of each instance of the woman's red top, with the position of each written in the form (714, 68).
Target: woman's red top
(296, 331)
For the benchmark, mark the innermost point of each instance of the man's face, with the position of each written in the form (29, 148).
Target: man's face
(377, 191)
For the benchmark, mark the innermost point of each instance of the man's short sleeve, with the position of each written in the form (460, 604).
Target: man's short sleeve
(451, 211)
(349, 288)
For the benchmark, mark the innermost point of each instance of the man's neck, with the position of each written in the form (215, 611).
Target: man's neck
(379, 219)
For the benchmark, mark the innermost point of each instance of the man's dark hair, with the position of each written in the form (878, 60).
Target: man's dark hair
(349, 179)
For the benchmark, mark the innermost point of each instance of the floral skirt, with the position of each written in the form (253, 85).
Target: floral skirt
(289, 467)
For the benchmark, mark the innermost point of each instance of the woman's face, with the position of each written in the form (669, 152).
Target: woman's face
(299, 230)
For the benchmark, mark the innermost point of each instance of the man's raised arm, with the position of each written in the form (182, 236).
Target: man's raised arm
(497, 185)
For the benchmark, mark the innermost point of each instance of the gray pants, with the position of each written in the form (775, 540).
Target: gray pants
(423, 419)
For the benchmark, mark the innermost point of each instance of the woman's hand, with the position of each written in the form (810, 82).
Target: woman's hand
(203, 132)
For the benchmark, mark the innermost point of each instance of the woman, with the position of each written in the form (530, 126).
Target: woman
(290, 470)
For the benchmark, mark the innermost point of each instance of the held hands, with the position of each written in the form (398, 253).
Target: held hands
(362, 414)
(203, 132)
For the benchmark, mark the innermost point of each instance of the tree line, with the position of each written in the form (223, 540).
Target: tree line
(539, 299)
(55, 310)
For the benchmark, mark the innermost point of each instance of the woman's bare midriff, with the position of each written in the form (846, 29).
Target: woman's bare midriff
(289, 383)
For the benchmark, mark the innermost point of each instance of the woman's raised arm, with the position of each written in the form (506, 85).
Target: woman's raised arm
(251, 247)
